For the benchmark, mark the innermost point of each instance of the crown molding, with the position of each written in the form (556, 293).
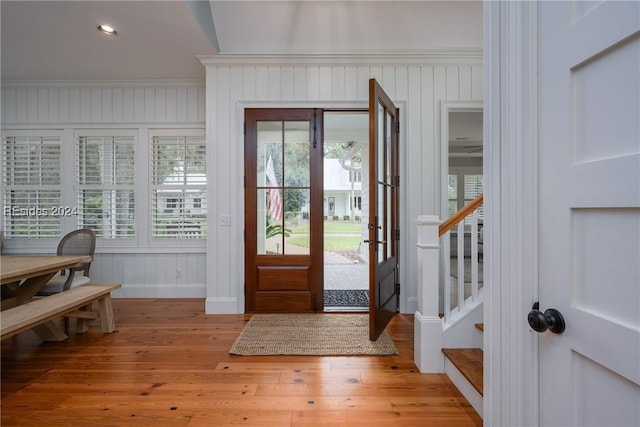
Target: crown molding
(103, 83)
(463, 57)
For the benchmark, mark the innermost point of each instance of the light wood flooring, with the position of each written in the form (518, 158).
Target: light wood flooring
(168, 365)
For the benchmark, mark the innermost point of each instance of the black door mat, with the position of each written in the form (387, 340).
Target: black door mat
(346, 298)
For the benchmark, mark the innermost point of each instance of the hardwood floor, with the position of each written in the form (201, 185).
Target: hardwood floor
(168, 364)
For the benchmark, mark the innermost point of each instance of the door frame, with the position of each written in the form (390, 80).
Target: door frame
(511, 394)
(447, 107)
(408, 303)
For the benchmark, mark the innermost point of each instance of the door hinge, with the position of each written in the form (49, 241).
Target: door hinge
(398, 234)
(397, 288)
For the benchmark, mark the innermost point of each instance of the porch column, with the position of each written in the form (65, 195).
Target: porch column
(428, 356)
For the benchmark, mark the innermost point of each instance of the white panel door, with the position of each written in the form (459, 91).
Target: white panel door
(589, 218)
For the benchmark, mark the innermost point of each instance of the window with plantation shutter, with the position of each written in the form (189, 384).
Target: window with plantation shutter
(31, 185)
(105, 180)
(178, 185)
(463, 187)
(472, 189)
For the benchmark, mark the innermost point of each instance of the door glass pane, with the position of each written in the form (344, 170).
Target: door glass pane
(381, 195)
(389, 181)
(297, 231)
(270, 239)
(283, 187)
(296, 154)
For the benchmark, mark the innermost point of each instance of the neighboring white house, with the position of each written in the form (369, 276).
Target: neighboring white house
(342, 190)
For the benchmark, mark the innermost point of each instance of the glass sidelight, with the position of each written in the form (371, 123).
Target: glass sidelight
(283, 187)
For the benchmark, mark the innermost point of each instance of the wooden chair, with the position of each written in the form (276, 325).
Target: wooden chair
(78, 242)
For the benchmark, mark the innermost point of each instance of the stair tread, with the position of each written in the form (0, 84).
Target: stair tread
(480, 326)
(469, 363)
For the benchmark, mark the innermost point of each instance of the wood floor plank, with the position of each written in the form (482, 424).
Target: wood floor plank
(168, 364)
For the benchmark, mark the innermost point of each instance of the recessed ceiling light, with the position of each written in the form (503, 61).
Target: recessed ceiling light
(106, 29)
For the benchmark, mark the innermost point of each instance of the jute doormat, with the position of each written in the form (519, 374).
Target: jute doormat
(311, 335)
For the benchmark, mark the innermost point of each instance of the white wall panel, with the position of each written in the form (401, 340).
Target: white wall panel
(152, 274)
(477, 84)
(464, 83)
(43, 104)
(418, 88)
(143, 272)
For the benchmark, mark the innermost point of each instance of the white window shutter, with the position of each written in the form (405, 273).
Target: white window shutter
(105, 172)
(178, 187)
(31, 185)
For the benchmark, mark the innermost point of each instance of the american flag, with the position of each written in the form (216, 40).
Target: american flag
(274, 202)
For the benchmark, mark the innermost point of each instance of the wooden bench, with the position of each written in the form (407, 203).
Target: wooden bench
(75, 302)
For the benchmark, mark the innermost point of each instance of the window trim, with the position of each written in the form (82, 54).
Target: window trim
(108, 133)
(36, 133)
(177, 132)
(142, 243)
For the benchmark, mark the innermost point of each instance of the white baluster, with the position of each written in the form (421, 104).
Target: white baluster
(460, 266)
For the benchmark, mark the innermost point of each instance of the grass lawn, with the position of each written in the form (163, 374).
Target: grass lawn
(331, 243)
(331, 227)
(340, 236)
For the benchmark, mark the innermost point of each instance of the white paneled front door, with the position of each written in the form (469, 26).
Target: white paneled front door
(589, 217)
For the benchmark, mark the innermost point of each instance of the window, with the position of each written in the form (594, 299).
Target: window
(355, 176)
(31, 181)
(105, 179)
(178, 181)
(463, 187)
(357, 202)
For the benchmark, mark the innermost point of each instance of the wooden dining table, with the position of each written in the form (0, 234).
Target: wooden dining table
(23, 276)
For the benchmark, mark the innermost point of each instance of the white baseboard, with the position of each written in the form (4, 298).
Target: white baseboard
(412, 306)
(222, 306)
(161, 291)
(427, 335)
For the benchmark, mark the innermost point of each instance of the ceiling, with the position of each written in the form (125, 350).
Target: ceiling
(59, 40)
(465, 133)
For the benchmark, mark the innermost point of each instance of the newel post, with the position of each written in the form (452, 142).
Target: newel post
(428, 356)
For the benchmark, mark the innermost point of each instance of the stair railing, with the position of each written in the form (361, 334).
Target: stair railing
(458, 220)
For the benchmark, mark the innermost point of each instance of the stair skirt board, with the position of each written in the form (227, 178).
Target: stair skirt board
(464, 386)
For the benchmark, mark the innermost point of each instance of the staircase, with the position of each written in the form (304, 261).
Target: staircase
(464, 366)
(448, 324)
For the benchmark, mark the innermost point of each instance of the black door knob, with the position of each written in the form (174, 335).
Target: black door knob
(551, 319)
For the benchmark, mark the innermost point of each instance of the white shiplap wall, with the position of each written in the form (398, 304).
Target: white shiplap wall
(416, 83)
(46, 103)
(144, 268)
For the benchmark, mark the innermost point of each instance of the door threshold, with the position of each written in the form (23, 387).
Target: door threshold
(345, 309)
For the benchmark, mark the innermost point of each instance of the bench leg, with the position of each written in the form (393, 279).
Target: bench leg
(82, 324)
(50, 331)
(107, 319)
